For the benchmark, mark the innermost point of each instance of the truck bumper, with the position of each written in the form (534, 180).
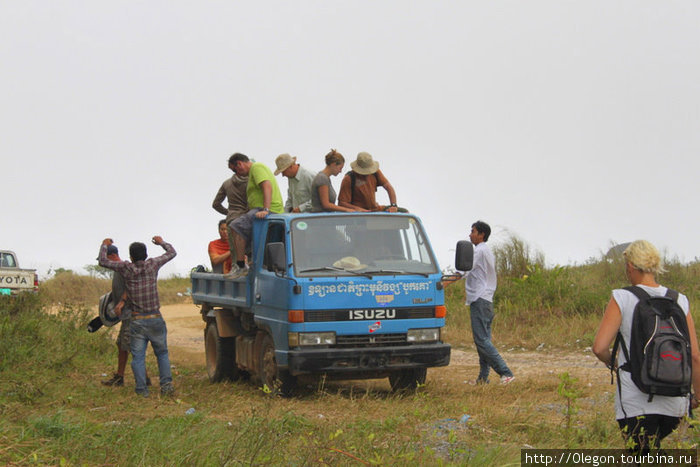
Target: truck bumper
(364, 361)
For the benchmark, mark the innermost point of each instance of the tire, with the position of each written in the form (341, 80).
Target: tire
(220, 355)
(407, 380)
(279, 382)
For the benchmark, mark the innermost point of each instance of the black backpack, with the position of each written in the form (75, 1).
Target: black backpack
(658, 356)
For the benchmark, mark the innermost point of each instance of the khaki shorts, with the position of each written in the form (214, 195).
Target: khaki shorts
(124, 337)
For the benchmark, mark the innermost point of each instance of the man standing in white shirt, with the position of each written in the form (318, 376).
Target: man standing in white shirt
(299, 180)
(480, 286)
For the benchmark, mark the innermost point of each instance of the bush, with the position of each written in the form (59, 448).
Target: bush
(515, 259)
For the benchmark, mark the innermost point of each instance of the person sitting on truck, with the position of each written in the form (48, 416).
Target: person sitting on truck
(141, 275)
(234, 190)
(299, 183)
(263, 196)
(124, 336)
(359, 186)
(219, 251)
(322, 192)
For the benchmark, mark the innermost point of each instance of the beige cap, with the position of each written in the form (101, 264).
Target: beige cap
(283, 162)
(364, 164)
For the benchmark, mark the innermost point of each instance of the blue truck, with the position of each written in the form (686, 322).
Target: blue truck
(343, 296)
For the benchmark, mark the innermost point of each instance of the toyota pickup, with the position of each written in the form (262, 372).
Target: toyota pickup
(14, 280)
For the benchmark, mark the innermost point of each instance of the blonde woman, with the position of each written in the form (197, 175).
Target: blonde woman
(322, 193)
(644, 423)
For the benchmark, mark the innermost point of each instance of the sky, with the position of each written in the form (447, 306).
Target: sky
(573, 125)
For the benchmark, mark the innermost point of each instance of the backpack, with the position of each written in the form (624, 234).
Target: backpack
(658, 356)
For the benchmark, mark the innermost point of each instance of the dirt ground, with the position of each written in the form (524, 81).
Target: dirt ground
(186, 340)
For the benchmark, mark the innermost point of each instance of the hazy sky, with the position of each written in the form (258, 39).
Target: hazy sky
(570, 124)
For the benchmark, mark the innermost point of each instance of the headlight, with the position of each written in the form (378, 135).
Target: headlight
(300, 339)
(423, 335)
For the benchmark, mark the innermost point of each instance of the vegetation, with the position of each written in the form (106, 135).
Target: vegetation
(75, 290)
(53, 410)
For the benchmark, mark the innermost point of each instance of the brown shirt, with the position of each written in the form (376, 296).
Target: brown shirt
(233, 189)
(364, 196)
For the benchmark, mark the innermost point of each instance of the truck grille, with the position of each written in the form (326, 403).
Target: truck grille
(370, 340)
(315, 316)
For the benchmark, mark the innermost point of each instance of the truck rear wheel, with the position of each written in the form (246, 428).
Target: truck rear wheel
(220, 355)
(280, 382)
(408, 379)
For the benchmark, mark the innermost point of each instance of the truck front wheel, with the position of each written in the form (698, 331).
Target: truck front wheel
(409, 379)
(277, 381)
(220, 355)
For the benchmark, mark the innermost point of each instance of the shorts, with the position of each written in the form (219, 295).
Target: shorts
(124, 337)
(244, 224)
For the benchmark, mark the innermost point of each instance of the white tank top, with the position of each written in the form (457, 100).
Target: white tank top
(634, 401)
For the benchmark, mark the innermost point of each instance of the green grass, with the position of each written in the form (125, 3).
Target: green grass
(54, 411)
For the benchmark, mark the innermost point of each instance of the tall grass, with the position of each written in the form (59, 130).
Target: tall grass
(559, 306)
(74, 289)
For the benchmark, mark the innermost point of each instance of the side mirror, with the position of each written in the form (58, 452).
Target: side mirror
(275, 257)
(464, 257)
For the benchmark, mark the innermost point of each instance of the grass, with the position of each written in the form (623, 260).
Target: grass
(74, 289)
(53, 410)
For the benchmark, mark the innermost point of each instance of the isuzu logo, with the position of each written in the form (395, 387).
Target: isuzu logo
(383, 313)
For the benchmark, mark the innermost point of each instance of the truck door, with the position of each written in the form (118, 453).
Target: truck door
(271, 294)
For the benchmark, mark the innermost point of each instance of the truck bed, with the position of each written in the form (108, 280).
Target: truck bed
(217, 290)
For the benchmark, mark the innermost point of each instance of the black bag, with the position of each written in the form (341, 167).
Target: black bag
(658, 356)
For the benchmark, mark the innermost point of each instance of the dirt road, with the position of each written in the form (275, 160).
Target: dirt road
(186, 339)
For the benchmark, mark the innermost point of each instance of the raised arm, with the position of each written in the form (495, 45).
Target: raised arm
(169, 254)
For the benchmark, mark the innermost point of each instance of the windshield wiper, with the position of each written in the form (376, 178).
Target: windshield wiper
(384, 271)
(330, 268)
(323, 268)
(391, 271)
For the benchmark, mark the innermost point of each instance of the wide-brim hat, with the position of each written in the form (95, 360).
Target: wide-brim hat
(283, 162)
(364, 164)
(349, 263)
(107, 315)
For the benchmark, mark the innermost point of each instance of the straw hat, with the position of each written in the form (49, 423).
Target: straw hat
(349, 263)
(364, 164)
(283, 162)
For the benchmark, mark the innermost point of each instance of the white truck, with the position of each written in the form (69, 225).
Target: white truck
(14, 280)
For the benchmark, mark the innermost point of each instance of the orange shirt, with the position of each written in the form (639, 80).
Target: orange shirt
(364, 195)
(219, 247)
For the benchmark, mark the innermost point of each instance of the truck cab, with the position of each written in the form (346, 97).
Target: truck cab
(13, 279)
(346, 296)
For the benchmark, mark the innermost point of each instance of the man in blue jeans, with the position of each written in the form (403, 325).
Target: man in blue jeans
(141, 276)
(480, 286)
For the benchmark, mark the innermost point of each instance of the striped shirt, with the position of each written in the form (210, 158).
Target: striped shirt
(141, 279)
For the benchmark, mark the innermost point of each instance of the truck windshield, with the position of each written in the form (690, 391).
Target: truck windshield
(360, 245)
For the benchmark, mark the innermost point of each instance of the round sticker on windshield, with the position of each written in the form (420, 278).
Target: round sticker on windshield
(411, 221)
(302, 225)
